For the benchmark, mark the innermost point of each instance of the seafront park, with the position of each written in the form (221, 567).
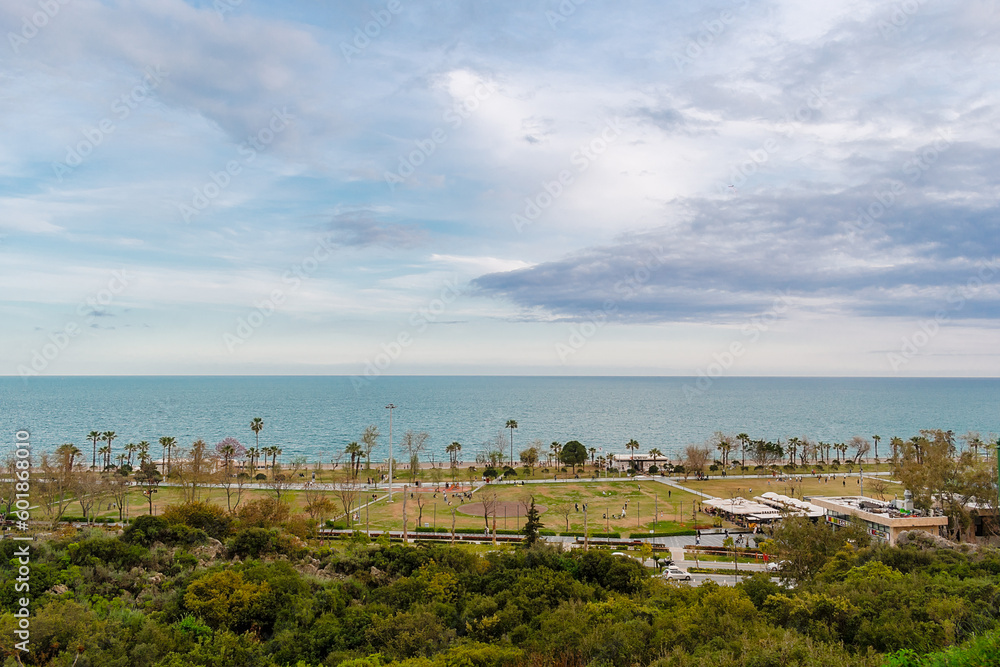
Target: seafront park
(731, 484)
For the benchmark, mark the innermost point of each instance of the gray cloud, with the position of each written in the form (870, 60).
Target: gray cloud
(362, 229)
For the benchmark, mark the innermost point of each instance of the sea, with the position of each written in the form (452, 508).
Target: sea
(317, 417)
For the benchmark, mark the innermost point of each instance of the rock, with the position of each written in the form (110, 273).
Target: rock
(924, 540)
(156, 579)
(59, 589)
(375, 572)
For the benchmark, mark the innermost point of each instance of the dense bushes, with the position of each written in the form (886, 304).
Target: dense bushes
(203, 516)
(433, 605)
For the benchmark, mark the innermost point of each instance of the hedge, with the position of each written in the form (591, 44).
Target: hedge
(676, 533)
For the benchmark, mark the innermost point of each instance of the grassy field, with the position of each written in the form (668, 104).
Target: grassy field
(563, 504)
(839, 485)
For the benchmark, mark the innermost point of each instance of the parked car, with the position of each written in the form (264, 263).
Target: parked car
(674, 572)
(776, 565)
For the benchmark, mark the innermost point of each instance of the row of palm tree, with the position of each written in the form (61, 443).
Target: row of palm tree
(140, 451)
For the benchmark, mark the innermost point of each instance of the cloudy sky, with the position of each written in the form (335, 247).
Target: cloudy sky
(743, 187)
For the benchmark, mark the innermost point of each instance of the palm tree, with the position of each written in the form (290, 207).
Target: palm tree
(130, 448)
(511, 424)
(724, 446)
(67, 454)
(109, 437)
(121, 460)
(655, 453)
(744, 443)
(143, 448)
(356, 452)
(876, 439)
(168, 444)
(593, 451)
(554, 450)
(632, 445)
(275, 453)
(105, 453)
(95, 436)
(793, 445)
(257, 425)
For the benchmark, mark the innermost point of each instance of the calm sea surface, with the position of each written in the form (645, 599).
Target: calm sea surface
(318, 416)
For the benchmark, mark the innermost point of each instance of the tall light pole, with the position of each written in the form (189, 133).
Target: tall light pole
(390, 408)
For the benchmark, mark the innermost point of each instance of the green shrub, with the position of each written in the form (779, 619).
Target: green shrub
(254, 543)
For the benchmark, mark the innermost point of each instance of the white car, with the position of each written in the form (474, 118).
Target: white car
(776, 565)
(674, 572)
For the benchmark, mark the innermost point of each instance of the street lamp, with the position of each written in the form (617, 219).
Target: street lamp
(390, 408)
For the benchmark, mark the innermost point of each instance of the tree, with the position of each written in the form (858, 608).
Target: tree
(67, 455)
(695, 459)
(257, 425)
(149, 478)
(876, 438)
(56, 484)
(573, 454)
(168, 444)
(89, 489)
(355, 451)
(633, 447)
(806, 546)
(317, 505)
(765, 453)
(453, 450)
(744, 443)
(793, 446)
(369, 441)
(529, 457)
(117, 484)
(414, 443)
(105, 453)
(94, 436)
(143, 449)
(347, 492)
(511, 424)
(109, 437)
(927, 465)
(279, 482)
(723, 443)
(228, 450)
(532, 524)
(193, 472)
(554, 450)
(565, 510)
(861, 447)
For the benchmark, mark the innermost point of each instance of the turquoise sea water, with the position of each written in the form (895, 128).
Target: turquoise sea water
(317, 416)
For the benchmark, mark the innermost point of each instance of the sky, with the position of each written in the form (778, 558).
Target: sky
(557, 187)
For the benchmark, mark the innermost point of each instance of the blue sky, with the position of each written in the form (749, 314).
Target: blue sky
(552, 187)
